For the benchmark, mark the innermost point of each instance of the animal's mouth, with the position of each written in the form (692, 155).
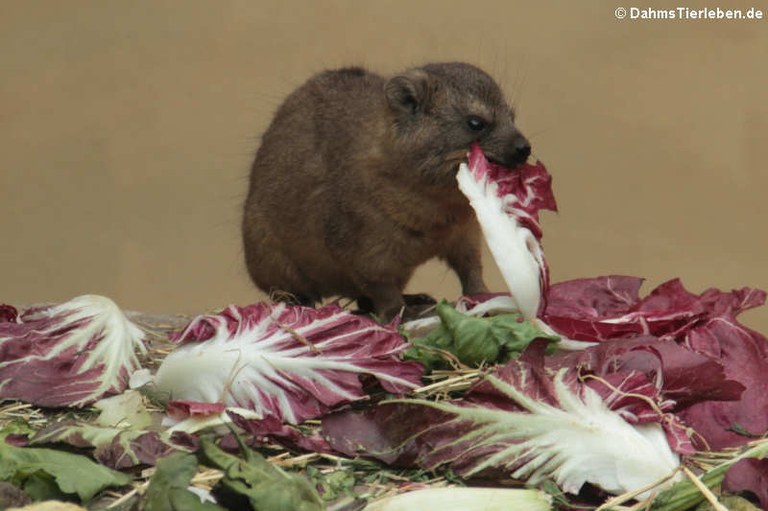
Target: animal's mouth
(511, 155)
(456, 158)
(503, 164)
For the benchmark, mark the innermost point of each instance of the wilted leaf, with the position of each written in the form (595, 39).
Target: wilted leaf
(113, 447)
(266, 486)
(126, 410)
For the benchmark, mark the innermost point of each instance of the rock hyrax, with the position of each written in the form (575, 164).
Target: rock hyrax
(354, 184)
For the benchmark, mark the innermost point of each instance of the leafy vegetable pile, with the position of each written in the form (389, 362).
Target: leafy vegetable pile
(586, 392)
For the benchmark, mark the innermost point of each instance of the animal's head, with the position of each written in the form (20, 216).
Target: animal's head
(441, 109)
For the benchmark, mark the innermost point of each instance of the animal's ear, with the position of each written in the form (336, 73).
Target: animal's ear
(410, 92)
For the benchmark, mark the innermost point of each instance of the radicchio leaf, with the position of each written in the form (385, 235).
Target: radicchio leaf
(628, 379)
(717, 355)
(610, 307)
(744, 355)
(70, 354)
(290, 362)
(506, 203)
(682, 376)
(193, 417)
(646, 379)
(524, 190)
(520, 420)
(708, 399)
(272, 431)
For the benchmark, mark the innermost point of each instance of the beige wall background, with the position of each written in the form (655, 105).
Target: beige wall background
(127, 129)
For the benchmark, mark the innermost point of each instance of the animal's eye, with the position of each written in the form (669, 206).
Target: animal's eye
(475, 123)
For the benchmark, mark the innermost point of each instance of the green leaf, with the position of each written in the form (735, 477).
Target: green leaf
(266, 486)
(476, 341)
(168, 487)
(41, 486)
(72, 473)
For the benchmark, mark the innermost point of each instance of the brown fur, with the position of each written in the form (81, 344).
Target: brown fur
(354, 184)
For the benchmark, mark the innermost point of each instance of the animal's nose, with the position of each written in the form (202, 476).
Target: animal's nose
(522, 149)
(517, 151)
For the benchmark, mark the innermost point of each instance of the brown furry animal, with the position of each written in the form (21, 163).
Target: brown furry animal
(354, 184)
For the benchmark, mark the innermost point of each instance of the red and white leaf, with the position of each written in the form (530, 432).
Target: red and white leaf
(522, 421)
(506, 203)
(71, 354)
(290, 362)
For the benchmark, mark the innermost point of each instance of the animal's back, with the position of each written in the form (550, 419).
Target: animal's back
(300, 174)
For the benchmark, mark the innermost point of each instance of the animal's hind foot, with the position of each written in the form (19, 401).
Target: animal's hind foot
(418, 300)
(292, 299)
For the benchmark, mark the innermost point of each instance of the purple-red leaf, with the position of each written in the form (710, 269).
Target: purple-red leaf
(290, 362)
(744, 355)
(717, 355)
(390, 432)
(611, 308)
(272, 430)
(682, 375)
(70, 354)
(524, 190)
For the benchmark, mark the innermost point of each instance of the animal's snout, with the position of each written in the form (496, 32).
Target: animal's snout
(519, 151)
(514, 152)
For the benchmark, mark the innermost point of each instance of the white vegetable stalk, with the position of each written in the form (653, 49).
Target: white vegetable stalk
(515, 249)
(465, 499)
